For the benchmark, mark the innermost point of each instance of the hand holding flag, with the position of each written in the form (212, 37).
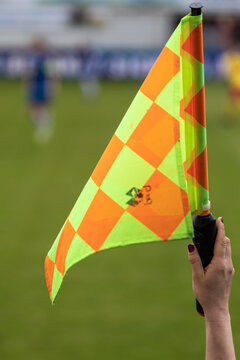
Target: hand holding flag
(212, 284)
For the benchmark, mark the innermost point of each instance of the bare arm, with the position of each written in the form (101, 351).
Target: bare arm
(211, 287)
(219, 341)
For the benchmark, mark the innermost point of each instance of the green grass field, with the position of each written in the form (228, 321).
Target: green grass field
(132, 303)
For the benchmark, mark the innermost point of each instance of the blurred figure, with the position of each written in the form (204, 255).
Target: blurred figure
(89, 83)
(231, 66)
(40, 83)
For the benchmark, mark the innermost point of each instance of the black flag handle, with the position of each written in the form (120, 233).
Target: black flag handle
(196, 8)
(205, 232)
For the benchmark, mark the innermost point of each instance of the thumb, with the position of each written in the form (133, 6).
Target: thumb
(195, 261)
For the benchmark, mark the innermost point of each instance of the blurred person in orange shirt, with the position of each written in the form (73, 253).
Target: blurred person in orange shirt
(231, 69)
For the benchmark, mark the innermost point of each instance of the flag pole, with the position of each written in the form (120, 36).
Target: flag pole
(205, 228)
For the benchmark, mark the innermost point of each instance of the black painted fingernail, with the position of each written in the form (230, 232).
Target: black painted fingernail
(221, 219)
(190, 248)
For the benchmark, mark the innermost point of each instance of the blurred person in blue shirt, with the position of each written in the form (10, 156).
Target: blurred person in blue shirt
(40, 75)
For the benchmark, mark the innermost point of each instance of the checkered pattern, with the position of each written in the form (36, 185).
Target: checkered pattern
(193, 114)
(149, 180)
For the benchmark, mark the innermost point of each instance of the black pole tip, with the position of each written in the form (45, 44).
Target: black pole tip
(196, 8)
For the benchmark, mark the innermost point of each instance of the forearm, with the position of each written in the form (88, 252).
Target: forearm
(219, 341)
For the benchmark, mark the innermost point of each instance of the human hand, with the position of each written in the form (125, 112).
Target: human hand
(211, 285)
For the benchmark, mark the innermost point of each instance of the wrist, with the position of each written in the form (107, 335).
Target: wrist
(217, 316)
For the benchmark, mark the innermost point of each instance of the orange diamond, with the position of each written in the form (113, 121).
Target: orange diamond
(49, 269)
(155, 136)
(181, 113)
(65, 241)
(109, 156)
(193, 43)
(196, 107)
(99, 220)
(198, 169)
(165, 68)
(168, 207)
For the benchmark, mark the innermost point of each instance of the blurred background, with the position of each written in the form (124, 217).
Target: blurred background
(68, 72)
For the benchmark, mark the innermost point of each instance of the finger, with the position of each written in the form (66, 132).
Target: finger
(228, 251)
(195, 261)
(229, 256)
(220, 246)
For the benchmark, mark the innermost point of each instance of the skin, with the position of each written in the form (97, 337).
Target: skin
(211, 286)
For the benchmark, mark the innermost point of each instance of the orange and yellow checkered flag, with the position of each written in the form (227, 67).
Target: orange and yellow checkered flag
(152, 176)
